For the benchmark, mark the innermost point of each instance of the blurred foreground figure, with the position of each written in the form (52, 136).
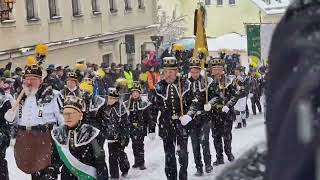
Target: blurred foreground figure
(293, 94)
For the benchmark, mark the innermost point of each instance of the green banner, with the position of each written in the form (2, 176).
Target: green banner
(254, 44)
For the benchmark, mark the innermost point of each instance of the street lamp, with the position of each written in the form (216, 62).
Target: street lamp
(5, 12)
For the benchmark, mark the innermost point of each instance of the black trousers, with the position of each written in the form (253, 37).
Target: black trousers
(4, 143)
(255, 101)
(247, 111)
(45, 174)
(221, 127)
(117, 158)
(138, 149)
(200, 138)
(178, 143)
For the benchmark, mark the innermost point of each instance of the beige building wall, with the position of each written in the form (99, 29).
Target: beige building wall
(87, 37)
(275, 18)
(221, 19)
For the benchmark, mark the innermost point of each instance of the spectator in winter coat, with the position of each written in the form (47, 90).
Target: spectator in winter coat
(18, 80)
(137, 72)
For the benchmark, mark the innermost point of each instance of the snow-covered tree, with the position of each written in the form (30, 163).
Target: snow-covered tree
(170, 27)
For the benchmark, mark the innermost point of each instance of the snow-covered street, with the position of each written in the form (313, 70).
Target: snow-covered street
(243, 140)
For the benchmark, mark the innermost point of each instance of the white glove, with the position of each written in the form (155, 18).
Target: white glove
(250, 95)
(225, 109)
(207, 107)
(185, 120)
(152, 136)
(10, 115)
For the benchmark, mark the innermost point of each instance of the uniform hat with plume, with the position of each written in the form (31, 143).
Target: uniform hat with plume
(72, 76)
(216, 62)
(170, 63)
(32, 68)
(136, 86)
(195, 63)
(73, 102)
(113, 92)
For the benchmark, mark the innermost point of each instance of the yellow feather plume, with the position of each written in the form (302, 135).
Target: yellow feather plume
(80, 67)
(31, 61)
(42, 49)
(258, 74)
(100, 73)
(202, 50)
(178, 47)
(121, 82)
(85, 86)
(143, 77)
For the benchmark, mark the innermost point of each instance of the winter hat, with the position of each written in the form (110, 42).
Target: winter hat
(74, 102)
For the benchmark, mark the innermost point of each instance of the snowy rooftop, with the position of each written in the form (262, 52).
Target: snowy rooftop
(274, 7)
(231, 41)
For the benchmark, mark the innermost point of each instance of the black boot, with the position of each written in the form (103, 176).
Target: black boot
(199, 172)
(124, 174)
(239, 126)
(247, 112)
(135, 165)
(230, 157)
(209, 169)
(244, 122)
(218, 162)
(142, 167)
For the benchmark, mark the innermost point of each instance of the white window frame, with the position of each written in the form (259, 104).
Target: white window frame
(219, 4)
(141, 4)
(34, 14)
(208, 2)
(95, 4)
(110, 58)
(128, 5)
(76, 12)
(113, 6)
(232, 2)
(56, 9)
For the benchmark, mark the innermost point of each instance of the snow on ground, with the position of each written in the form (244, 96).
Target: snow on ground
(243, 140)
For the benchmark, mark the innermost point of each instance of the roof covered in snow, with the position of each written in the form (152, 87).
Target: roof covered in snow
(231, 41)
(272, 6)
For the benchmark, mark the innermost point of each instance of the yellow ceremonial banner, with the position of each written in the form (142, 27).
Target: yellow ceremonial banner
(200, 32)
